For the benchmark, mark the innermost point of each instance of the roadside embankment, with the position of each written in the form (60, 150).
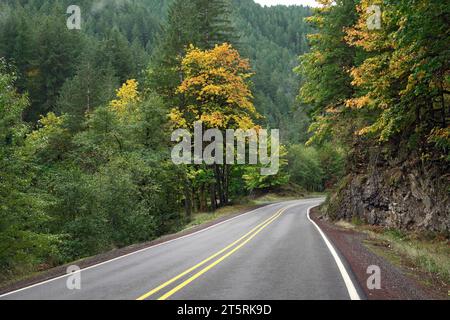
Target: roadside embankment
(412, 266)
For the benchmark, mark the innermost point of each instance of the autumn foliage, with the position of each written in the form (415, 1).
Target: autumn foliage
(380, 84)
(215, 89)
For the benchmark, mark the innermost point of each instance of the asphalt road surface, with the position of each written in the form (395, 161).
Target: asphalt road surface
(272, 253)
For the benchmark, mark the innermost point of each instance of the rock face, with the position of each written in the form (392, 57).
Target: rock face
(398, 194)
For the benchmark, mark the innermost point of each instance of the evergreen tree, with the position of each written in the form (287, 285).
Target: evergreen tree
(201, 23)
(57, 49)
(325, 70)
(92, 86)
(212, 23)
(164, 74)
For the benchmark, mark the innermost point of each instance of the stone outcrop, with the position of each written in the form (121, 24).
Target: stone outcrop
(396, 193)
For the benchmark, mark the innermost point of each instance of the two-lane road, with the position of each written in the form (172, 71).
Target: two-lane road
(275, 252)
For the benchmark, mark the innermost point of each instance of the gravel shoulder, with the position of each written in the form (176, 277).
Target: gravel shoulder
(399, 279)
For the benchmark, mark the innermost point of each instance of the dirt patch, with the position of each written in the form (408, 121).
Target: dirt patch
(399, 281)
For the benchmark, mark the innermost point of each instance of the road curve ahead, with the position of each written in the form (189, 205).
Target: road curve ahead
(271, 253)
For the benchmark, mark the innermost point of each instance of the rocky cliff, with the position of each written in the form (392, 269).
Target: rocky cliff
(397, 191)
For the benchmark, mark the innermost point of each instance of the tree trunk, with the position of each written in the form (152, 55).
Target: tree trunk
(202, 198)
(219, 183)
(212, 193)
(226, 177)
(195, 201)
(187, 201)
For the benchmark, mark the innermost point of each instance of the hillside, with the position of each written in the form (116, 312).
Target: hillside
(272, 37)
(383, 95)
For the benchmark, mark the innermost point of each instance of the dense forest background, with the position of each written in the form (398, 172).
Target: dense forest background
(118, 37)
(85, 131)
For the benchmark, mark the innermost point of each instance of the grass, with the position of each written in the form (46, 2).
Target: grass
(431, 256)
(427, 252)
(272, 197)
(205, 217)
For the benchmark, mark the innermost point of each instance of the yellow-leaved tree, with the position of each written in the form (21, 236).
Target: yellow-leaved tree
(126, 104)
(215, 90)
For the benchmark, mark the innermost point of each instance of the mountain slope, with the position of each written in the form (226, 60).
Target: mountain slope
(272, 37)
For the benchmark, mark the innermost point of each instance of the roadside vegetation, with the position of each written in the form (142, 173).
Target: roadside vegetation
(381, 92)
(248, 204)
(86, 118)
(417, 253)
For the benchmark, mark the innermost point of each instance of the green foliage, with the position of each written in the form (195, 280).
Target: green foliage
(272, 38)
(116, 186)
(405, 82)
(305, 167)
(254, 180)
(23, 240)
(112, 46)
(387, 85)
(382, 94)
(51, 139)
(326, 83)
(332, 163)
(86, 174)
(70, 194)
(315, 168)
(62, 69)
(93, 85)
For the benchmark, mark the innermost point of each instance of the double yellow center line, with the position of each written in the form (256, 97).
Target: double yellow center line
(239, 243)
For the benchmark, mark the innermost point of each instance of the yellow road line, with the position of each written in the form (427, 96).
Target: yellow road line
(212, 265)
(165, 284)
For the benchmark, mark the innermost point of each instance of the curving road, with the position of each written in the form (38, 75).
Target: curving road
(275, 252)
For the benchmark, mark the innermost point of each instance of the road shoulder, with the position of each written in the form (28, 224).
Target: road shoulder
(398, 282)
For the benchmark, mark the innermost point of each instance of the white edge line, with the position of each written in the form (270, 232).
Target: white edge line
(345, 276)
(145, 249)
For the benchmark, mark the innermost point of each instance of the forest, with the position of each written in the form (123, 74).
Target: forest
(382, 93)
(86, 115)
